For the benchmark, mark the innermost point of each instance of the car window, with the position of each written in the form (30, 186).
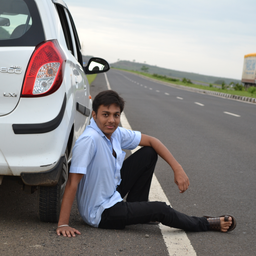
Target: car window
(71, 33)
(77, 41)
(65, 27)
(14, 26)
(20, 23)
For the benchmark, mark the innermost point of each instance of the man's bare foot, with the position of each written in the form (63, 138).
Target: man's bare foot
(224, 223)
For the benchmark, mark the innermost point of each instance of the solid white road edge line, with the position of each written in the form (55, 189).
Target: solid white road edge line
(176, 240)
(179, 98)
(108, 85)
(231, 114)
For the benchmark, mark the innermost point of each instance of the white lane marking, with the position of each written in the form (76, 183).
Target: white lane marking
(150, 88)
(166, 93)
(176, 240)
(145, 86)
(199, 104)
(157, 91)
(231, 114)
(108, 85)
(141, 85)
(179, 98)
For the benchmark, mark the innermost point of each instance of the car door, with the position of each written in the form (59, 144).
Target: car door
(78, 82)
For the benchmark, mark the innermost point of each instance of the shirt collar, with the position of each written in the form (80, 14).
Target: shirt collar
(94, 126)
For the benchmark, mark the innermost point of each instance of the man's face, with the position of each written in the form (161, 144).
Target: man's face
(107, 118)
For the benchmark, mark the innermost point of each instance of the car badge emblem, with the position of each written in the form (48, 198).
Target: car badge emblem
(11, 70)
(10, 94)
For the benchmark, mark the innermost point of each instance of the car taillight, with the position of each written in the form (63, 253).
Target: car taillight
(45, 69)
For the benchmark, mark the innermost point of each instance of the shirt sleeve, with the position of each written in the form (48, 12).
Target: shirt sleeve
(129, 139)
(82, 155)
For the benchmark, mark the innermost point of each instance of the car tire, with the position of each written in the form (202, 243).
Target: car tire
(50, 197)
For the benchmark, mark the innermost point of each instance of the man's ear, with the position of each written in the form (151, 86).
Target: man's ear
(94, 115)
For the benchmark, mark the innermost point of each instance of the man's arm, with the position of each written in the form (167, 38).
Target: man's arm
(67, 201)
(180, 177)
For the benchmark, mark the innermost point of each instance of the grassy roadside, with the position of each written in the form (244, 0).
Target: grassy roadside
(91, 78)
(213, 88)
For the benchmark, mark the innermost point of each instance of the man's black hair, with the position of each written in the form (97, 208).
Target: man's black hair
(107, 98)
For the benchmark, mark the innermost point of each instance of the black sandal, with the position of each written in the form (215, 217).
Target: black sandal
(214, 222)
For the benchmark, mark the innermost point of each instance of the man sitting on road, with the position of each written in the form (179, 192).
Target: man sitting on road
(100, 177)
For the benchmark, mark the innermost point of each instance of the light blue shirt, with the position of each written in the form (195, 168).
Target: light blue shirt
(92, 156)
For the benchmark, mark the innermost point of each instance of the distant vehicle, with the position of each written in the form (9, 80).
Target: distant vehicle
(249, 70)
(45, 101)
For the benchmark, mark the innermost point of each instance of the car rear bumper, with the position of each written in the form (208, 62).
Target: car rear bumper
(48, 178)
(35, 135)
(41, 127)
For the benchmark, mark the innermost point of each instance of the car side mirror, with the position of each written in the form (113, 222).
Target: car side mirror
(96, 66)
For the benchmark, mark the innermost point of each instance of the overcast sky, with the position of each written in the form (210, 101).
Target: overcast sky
(208, 37)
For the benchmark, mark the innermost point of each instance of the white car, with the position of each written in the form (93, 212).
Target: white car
(45, 103)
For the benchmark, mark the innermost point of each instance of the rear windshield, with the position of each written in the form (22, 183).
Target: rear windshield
(20, 23)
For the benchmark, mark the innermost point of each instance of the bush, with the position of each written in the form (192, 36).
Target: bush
(238, 87)
(251, 90)
(186, 81)
(210, 85)
(166, 78)
(144, 68)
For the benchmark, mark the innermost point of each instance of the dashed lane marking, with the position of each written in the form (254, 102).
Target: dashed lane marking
(180, 98)
(231, 114)
(199, 104)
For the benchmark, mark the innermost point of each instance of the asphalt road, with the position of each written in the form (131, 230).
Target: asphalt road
(214, 140)
(216, 149)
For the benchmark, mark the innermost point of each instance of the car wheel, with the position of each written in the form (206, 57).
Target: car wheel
(50, 197)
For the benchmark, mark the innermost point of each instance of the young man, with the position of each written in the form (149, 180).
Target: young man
(100, 178)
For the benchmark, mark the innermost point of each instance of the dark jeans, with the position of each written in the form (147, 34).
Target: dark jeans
(136, 173)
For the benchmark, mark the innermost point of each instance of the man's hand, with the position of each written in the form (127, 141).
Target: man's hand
(66, 205)
(181, 179)
(67, 231)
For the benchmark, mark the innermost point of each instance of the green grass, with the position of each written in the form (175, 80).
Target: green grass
(202, 87)
(91, 78)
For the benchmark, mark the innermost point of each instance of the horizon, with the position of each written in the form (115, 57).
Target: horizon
(167, 68)
(182, 71)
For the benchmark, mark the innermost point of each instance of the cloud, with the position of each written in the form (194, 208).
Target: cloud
(197, 36)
